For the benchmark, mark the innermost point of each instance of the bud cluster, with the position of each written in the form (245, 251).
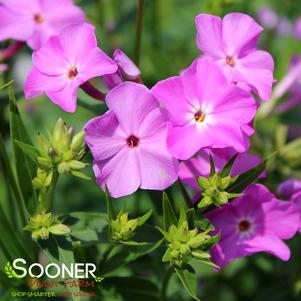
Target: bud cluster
(62, 151)
(183, 244)
(214, 190)
(44, 223)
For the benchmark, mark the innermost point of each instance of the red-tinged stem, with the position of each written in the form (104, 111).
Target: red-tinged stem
(92, 91)
(11, 50)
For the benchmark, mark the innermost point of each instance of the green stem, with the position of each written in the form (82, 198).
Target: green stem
(139, 24)
(166, 283)
(50, 193)
(105, 257)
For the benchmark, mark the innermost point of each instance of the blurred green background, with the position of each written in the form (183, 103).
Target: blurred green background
(168, 46)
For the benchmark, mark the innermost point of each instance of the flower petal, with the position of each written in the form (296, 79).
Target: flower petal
(209, 37)
(131, 103)
(240, 33)
(121, 173)
(102, 136)
(77, 41)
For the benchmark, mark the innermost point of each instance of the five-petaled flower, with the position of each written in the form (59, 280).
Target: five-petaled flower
(255, 222)
(35, 21)
(204, 110)
(128, 143)
(232, 43)
(64, 63)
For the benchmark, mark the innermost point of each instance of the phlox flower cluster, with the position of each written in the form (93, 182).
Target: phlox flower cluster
(150, 138)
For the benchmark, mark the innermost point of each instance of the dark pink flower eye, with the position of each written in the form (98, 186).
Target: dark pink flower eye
(38, 18)
(199, 116)
(132, 141)
(72, 73)
(244, 226)
(230, 61)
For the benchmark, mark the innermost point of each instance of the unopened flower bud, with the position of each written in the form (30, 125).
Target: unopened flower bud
(44, 163)
(78, 141)
(76, 165)
(63, 168)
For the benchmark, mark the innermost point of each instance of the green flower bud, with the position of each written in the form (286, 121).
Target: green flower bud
(78, 141)
(43, 145)
(44, 223)
(63, 168)
(76, 165)
(44, 163)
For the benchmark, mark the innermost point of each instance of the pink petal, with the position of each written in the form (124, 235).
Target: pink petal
(65, 98)
(97, 63)
(120, 173)
(256, 69)
(126, 65)
(77, 41)
(200, 81)
(282, 218)
(170, 94)
(158, 168)
(209, 37)
(18, 27)
(185, 141)
(50, 52)
(37, 83)
(232, 105)
(240, 34)
(22, 6)
(131, 103)
(102, 136)
(269, 244)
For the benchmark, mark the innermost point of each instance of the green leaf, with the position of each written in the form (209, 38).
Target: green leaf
(212, 166)
(110, 208)
(169, 215)
(188, 279)
(145, 217)
(25, 168)
(190, 213)
(27, 149)
(227, 168)
(132, 288)
(87, 228)
(14, 188)
(6, 85)
(248, 177)
(204, 224)
(127, 254)
(59, 250)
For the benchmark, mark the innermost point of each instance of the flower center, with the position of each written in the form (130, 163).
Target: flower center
(199, 116)
(38, 19)
(72, 72)
(244, 226)
(132, 141)
(230, 61)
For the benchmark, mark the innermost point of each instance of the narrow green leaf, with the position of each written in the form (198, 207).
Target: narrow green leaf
(25, 168)
(6, 85)
(5, 162)
(212, 166)
(190, 213)
(110, 209)
(188, 279)
(80, 175)
(248, 177)
(169, 215)
(145, 217)
(27, 149)
(227, 168)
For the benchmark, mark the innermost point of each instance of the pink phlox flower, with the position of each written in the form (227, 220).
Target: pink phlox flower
(128, 143)
(35, 21)
(255, 222)
(64, 63)
(231, 42)
(204, 110)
